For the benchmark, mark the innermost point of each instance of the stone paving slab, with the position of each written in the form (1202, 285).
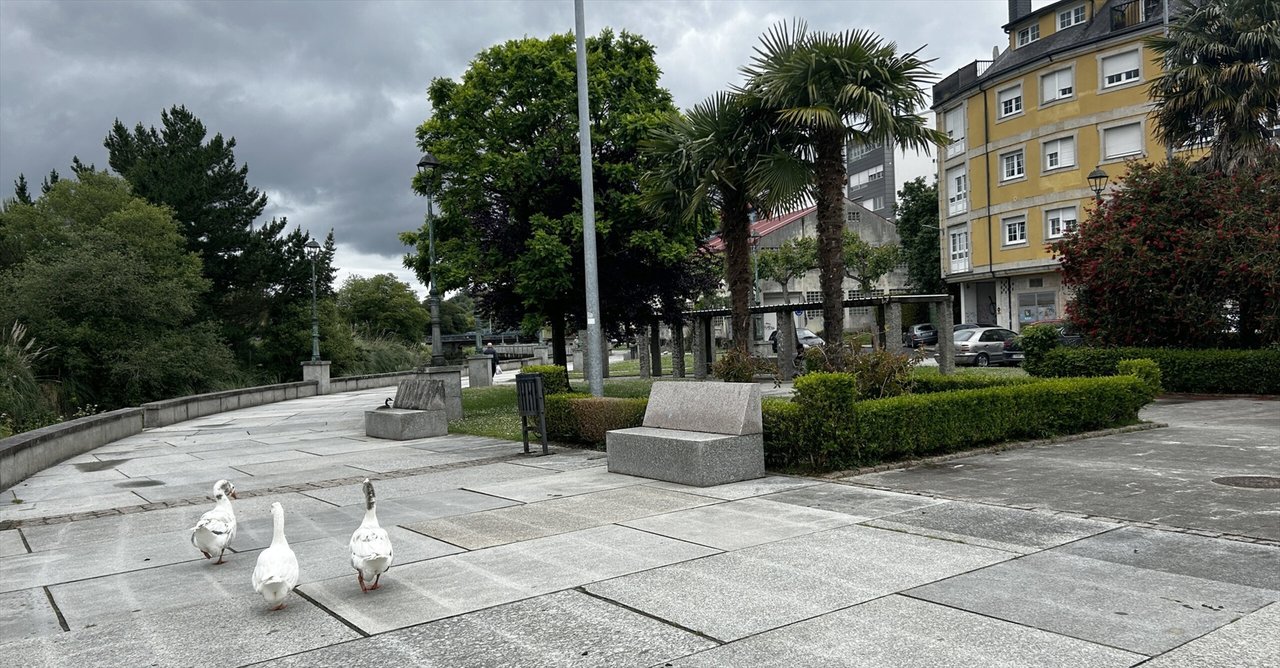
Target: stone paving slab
(235, 458)
(742, 490)
(12, 511)
(1122, 606)
(1250, 642)
(435, 481)
(237, 631)
(342, 446)
(26, 614)
(470, 581)
(1197, 556)
(74, 489)
(901, 632)
(738, 524)
(861, 503)
(547, 518)
(1022, 531)
(144, 466)
(555, 485)
(59, 476)
(561, 629)
(738, 594)
(64, 564)
(11, 543)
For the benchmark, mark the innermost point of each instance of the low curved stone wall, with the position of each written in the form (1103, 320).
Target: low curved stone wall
(168, 411)
(31, 451)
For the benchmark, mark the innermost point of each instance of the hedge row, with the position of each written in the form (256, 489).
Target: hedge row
(555, 378)
(928, 383)
(824, 433)
(1193, 371)
(582, 418)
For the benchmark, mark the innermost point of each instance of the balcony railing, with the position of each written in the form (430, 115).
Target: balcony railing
(1131, 13)
(959, 80)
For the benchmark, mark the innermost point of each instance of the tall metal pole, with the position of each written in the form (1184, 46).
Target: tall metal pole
(433, 294)
(595, 372)
(315, 320)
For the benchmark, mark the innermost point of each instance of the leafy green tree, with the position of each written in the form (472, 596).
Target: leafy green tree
(1179, 257)
(383, 306)
(917, 219)
(103, 279)
(21, 194)
(510, 230)
(457, 314)
(837, 88)
(788, 262)
(865, 263)
(1220, 79)
(720, 160)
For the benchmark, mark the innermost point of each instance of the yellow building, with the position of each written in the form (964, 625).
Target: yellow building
(1067, 95)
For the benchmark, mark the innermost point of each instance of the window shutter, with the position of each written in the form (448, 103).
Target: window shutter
(1122, 140)
(1066, 152)
(1121, 62)
(955, 123)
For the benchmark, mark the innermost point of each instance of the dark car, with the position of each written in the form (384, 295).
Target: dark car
(804, 339)
(922, 334)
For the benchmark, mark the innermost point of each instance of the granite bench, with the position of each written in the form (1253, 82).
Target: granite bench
(694, 433)
(417, 412)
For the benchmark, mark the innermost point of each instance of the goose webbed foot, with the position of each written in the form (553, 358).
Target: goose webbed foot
(375, 581)
(363, 588)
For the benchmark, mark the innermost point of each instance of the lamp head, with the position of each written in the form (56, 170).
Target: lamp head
(313, 249)
(1097, 180)
(428, 163)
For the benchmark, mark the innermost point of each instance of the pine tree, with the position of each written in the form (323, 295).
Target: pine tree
(20, 193)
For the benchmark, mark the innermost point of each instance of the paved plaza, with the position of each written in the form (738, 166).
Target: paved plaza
(1116, 550)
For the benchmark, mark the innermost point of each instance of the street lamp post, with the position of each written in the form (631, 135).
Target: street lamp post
(426, 166)
(313, 252)
(1097, 182)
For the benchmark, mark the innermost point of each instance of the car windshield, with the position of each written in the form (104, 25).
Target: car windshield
(964, 334)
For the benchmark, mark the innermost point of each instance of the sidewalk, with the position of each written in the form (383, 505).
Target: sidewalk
(1046, 556)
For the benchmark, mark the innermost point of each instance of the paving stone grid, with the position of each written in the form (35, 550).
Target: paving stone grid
(1042, 556)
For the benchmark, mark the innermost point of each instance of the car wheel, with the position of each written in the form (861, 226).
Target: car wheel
(982, 360)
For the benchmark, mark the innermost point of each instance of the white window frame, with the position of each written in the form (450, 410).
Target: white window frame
(1018, 104)
(1057, 147)
(1016, 224)
(1127, 77)
(873, 203)
(1073, 15)
(1057, 88)
(1059, 221)
(1020, 161)
(1108, 155)
(859, 151)
(957, 190)
(958, 244)
(955, 130)
(1029, 35)
(813, 296)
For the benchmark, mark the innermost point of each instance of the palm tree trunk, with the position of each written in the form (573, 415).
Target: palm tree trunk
(830, 172)
(735, 228)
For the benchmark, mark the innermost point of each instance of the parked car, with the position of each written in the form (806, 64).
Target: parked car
(804, 339)
(970, 325)
(920, 335)
(981, 346)
(1068, 335)
(1013, 351)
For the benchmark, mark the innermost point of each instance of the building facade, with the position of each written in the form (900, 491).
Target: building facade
(1067, 95)
(871, 178)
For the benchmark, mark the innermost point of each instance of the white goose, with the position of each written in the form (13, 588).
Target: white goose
(213, 533)
(277, 571)
(370, 545)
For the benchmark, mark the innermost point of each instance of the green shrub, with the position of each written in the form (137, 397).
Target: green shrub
(1145, 369)
(832, 433)
(1037, 340)
(1192, 371)
(928, 383)
(582, 418)
(555, 378)
(734, 366)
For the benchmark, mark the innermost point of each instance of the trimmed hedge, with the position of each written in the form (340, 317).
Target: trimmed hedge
(1192, 371)
(582, 418)
(928, 383)
(833, 435)
(555, 378)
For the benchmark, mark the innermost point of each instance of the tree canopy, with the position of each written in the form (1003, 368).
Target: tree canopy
(510, 229)
(917, 219)
(865, 263)
(790, 261)
(383, 306)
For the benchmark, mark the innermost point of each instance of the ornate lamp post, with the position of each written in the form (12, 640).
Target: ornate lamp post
(313, 252)
(1097, 182)
(426, 166)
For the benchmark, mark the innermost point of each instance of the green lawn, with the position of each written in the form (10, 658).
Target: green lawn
(491, 411)
(632, 367)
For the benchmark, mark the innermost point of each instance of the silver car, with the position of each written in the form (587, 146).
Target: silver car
(981, 346)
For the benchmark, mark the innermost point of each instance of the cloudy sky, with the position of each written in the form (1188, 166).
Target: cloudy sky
(323, 96)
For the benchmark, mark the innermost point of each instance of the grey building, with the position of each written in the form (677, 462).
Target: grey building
(871, 178)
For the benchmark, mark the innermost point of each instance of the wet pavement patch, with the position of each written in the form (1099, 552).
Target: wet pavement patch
(139, 483)
(103, 465)
(1250, 481)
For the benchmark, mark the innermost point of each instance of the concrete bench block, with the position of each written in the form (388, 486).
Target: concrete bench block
(720, 408)
(695, 458)
(400, 424)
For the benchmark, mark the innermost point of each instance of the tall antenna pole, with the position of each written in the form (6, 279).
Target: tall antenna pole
(595, 372)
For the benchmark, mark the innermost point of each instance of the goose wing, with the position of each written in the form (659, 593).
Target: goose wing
(217, 526)
(369, 543)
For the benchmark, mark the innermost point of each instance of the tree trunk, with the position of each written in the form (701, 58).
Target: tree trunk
(558, 355)
(735, 228)
(830, 173)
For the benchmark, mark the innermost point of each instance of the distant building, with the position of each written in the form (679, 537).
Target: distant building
(1068, 94)
(871, 178)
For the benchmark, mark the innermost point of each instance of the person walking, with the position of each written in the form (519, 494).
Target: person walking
(493, 358)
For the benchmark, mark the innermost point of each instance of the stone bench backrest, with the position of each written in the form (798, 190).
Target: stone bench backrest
(716, 408)
(420, 394)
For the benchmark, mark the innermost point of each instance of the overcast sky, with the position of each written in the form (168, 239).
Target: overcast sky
(323, 96)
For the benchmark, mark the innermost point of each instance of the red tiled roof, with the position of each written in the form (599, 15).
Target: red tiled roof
(764, 227)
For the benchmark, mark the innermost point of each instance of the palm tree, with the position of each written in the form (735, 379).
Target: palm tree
(1221, 78)
(723, 158)
(833, 88)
